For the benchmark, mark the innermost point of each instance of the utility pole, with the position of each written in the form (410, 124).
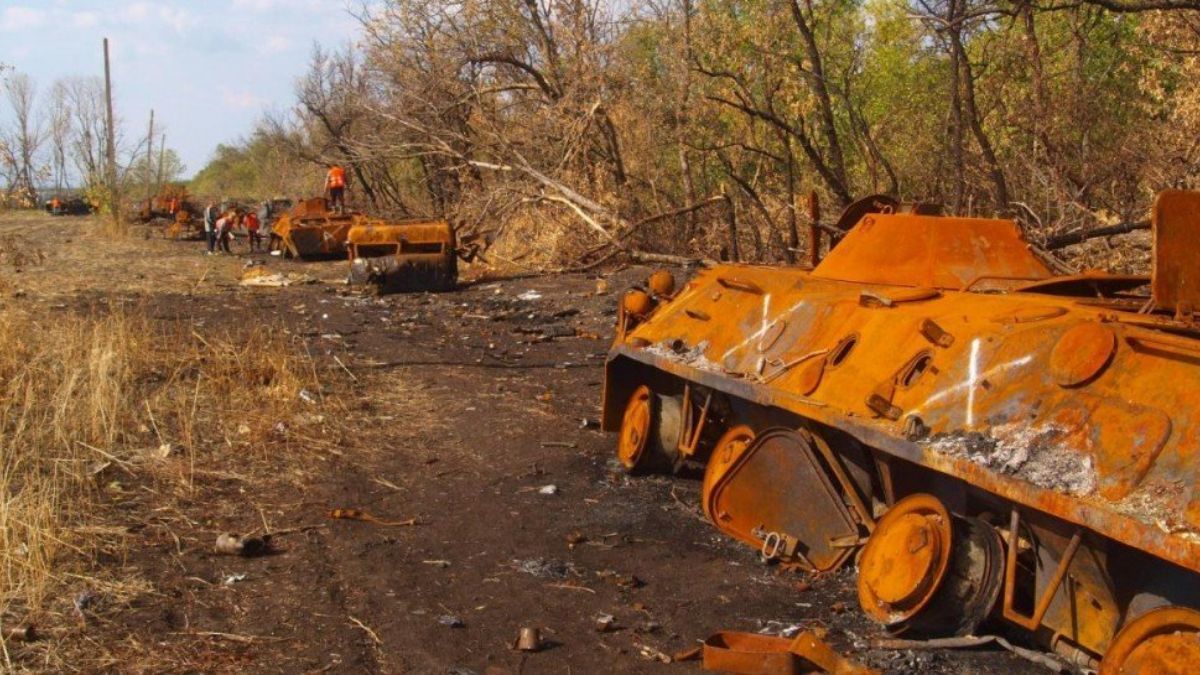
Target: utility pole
(111, 143)
(150, 185)
(162, 157)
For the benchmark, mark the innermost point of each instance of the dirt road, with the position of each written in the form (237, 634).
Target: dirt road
(471, 412)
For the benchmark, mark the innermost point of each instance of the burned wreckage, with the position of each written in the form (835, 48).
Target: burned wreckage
(988, 440)
(403, 255)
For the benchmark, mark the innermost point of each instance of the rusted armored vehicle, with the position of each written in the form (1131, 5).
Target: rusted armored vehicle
(71, 206)
(167, 204)
(986, 440)
(404, 256)
(310, 230)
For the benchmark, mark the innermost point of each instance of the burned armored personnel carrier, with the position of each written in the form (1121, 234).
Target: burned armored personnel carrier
(414, 255)
(987, 440)
(311, 231)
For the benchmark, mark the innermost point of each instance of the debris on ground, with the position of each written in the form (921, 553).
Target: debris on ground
(653, 654)
(363, 516)
(735, 652)
(546, 568)
(21, 634)
(625, 581)
(247, 547)
(528, 640)
(261, 276)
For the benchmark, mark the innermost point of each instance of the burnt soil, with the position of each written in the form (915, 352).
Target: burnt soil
(458, 410)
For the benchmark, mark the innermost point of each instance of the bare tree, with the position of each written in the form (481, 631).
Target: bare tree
(24, 135)
(59, 133)
(85, 101)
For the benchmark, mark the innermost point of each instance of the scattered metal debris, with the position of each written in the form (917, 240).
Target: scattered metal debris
(546, 568)
(247, 547)
(451, 621)
(653, 654)
(528, 640)
(968, 642)
(753, 654)
(605, 623)
(363, 516)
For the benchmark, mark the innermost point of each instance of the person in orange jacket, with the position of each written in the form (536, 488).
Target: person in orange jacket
(250, 220)
(335, 185)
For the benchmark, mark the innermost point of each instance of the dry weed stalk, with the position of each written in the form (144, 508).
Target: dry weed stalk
(89, 404)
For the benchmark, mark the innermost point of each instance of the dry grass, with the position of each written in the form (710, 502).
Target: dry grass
(91, 406)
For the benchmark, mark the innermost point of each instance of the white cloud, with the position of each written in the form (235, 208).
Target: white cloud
(21, 18)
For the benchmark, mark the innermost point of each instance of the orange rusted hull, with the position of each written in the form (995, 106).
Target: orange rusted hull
(310, 230)
(404, 256)
(939, 355)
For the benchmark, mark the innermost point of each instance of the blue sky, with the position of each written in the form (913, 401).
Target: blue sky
(208, 68)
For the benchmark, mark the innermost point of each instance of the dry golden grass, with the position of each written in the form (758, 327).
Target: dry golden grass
(90, 404)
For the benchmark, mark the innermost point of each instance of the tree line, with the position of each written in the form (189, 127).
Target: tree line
(56, 141)
(700, 127)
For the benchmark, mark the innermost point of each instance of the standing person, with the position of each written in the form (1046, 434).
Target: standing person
(210, 226)
(224, 226)
(250, 220)
(335, 185)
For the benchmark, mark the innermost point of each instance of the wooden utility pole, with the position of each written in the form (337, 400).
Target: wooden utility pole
(150, 186)
(110, 148)
(110, 140)
(162, 157)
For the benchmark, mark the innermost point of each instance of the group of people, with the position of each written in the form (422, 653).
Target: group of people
(219, 225)
(220, 221)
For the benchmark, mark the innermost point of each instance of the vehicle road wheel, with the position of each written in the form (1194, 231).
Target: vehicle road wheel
(650, 432)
